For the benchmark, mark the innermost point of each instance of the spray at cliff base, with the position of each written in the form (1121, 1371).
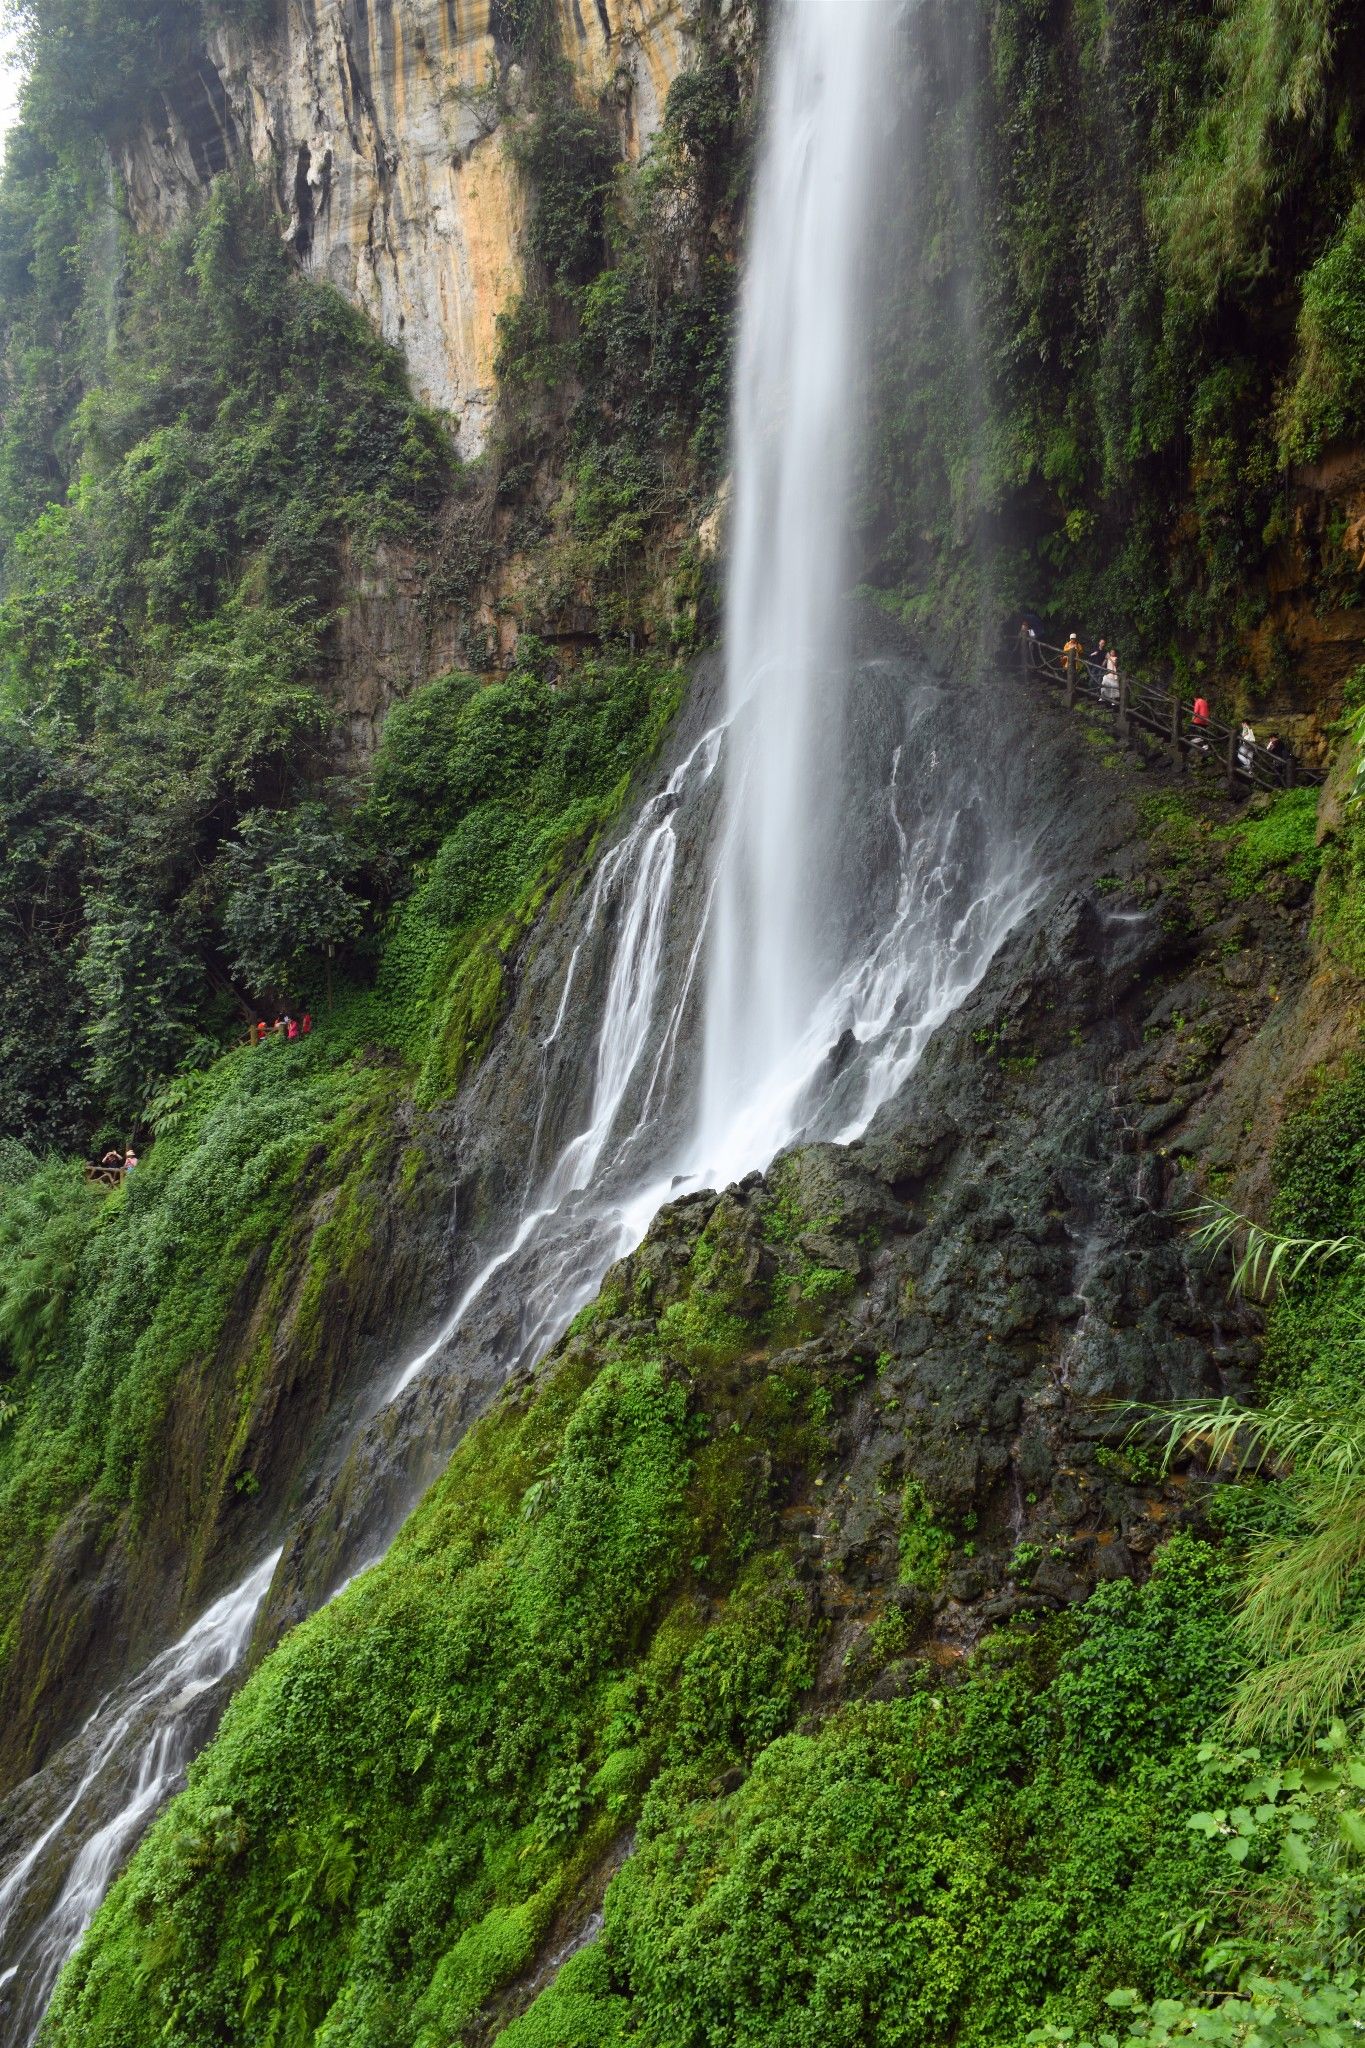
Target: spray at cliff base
(818, 880)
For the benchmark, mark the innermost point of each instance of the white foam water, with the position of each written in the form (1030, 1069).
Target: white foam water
(137, 1743)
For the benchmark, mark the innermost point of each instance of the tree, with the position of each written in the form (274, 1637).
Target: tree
(291, 895)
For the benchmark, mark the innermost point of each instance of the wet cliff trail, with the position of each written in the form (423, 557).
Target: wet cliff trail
(823, 1184)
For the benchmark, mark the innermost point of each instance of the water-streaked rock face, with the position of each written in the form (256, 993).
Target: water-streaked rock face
(380, 124)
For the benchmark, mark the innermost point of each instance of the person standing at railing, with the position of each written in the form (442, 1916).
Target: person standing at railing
(1109, 681)
(1246, 749)
(1096, 662)
(1199, 726)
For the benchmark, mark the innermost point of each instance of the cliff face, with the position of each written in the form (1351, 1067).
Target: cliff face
(380, 123)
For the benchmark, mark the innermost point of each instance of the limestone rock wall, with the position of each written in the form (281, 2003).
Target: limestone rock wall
(380, 124)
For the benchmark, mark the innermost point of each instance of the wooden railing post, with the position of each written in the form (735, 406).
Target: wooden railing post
(1232, 758)
(1124, 726)
(1176, 751)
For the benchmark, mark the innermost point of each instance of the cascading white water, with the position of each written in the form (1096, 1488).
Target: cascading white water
(148, 1724)
(862, 878)
(799, 399)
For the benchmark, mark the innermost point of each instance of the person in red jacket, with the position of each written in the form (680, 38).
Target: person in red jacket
(291, 1027)
(307, 1024)
(1199, 720)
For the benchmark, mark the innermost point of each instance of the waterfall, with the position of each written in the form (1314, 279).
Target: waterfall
(862, 868)
(799, 396)
(131, 1754)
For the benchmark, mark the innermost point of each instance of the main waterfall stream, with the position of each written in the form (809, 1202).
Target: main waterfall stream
(823, 873)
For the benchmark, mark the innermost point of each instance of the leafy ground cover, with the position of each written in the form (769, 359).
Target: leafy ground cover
(592, 1633)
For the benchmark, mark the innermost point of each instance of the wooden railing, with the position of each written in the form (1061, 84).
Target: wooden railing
(1170, 716)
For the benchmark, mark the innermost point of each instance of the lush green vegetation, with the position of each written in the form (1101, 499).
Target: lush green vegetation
(162, 667)
(619, 347)
(1126, 304)
(197, 447)
(588, 1628)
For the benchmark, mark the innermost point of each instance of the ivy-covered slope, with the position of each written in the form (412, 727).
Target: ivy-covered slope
(1121, 369)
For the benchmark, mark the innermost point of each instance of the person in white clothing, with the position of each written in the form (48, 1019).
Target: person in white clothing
(1109, 681)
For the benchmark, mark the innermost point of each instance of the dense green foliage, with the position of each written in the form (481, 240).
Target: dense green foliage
(584, 1630)
(162, 667)
(620, 344)
(114, 1309)
(1126, 305)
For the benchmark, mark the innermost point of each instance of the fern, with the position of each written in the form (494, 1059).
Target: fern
(1301, 1623)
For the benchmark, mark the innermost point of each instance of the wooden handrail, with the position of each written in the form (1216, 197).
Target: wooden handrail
(1165, 713)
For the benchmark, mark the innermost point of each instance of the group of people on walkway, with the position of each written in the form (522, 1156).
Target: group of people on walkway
(284, 1026)
(1201, 722)
(1101, 666)
(116, 1163)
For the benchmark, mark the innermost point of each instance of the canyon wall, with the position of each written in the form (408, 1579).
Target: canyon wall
(381, 125)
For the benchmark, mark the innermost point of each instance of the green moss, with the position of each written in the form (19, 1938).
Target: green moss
(522, 1668)
(947, 1866)
(153, 1278)
(1281, 840)
(924, 1546)
(1327, 402)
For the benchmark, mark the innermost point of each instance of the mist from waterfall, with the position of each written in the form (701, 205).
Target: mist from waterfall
(799, 403)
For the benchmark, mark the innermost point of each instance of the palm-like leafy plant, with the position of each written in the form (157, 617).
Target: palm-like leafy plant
(1302, 1622)
(1262, 1258)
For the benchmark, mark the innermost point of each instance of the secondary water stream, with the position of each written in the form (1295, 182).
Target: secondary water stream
(820, 878)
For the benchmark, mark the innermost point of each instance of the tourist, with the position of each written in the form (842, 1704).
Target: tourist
(291, 1027)
(1278, 748)
(1096, 663)
(1199, 721)
(130, 1161)
(306, 1024)
(1109, 681)
(1246, 749)
(261, 1029)
(113, 1157)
